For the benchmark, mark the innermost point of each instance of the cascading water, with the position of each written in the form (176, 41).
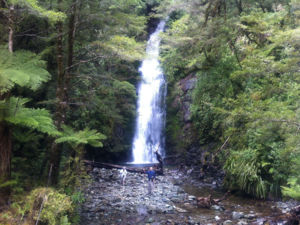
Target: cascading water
(151, 104)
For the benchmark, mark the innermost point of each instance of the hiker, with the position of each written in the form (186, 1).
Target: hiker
(160, 160)
(151, 177)
(123, 173)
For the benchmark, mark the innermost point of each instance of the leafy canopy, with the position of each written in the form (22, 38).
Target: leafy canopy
(34, 6)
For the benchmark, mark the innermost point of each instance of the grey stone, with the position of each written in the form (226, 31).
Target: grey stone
(237, 215)
(191, 197)
(250, 216)
(150, 220)
(217, 208)
(242, 222)
(189, 84)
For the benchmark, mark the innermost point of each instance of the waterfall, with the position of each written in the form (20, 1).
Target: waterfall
(151, 111)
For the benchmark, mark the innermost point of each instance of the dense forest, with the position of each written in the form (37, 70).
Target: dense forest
(68, 84)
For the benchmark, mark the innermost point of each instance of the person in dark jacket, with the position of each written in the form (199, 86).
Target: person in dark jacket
(151, 177)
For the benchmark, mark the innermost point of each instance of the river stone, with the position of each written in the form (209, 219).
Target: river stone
(191, 197)
(217, 208)
(150, 220)
(175, 199)
(237, 215)
(116, 200)
(242, 222)
(180, 210)
(250, 216)
(227, 222)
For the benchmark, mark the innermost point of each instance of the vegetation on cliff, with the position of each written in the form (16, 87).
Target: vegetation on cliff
(245, 55)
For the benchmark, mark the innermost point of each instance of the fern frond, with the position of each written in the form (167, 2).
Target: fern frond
(86, 136)
(21, 68)
(39, 119)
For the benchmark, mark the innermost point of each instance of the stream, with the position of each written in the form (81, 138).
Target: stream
(173, 202)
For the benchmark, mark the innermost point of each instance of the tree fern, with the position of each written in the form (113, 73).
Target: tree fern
(14, 112)
(82, 137)
(77, 139)
(21, 68)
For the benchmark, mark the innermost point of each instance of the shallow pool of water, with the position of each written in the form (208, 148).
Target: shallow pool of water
(262, 209)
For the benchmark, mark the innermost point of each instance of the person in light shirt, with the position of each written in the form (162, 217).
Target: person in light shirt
(123, 173)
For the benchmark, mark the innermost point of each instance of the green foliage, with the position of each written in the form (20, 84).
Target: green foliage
(109, 108)
(77, 197)
(74, 168)
(86, 136)
(34, 6)
(21, 68)
(7, 183)
(56, 205)
(243, 171)
(14, 112)
(64, 221)
(124, 47)
(247, 66)
(293, 190)
(212, 86)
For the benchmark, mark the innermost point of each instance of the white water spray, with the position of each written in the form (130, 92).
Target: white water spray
(151, 104)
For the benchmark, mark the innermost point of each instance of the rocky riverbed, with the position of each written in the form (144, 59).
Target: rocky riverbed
(173, 202)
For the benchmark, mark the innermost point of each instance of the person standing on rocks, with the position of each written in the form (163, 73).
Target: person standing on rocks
(123, 173)
(151, 177)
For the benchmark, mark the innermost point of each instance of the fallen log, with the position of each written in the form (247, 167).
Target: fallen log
(110, 165)
(207, 202)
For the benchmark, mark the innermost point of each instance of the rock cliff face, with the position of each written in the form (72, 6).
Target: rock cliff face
(181, 134)
(187, 85)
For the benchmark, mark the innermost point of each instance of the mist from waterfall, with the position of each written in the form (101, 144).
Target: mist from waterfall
(151, 111)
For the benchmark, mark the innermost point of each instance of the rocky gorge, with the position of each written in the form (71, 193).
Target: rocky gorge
(107, 201)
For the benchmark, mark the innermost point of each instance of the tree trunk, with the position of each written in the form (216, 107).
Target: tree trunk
(5, 137)
(5, 131)
(5, 150)
(11, 28)
(239, 5)
(71, 37)
(5, 158)
(63, 79)
(60, 105)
